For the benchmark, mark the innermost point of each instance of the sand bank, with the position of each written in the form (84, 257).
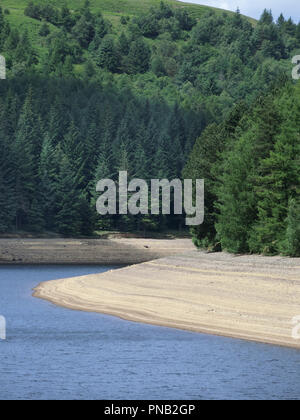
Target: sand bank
(249, 297)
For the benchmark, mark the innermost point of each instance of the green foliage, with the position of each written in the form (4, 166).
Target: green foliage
(51, 159)
(252, 177)
(222, 57)
(124, 20)
(291, 243)
(45, 30)
(84, 31)
(42, 11)
(278, 179)
(107, 55)
(25, 168)
(138, 59)
(7, 203)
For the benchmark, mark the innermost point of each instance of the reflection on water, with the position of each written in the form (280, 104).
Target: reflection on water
(56, 353)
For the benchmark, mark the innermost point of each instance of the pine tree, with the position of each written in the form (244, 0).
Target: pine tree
(281, 21)
(68, 219)
(48, 172)
(161, 165)
(123, 44)
(84, 31)
(25, 167)
(107, 55)
(138, 60)
(45, 30)
(7, 191)
(73, 147)
(56, 124)
(266, 18)
(102, 172)
(66, 19)
(236, 198)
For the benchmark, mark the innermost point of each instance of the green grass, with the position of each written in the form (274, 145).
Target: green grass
(111, 9)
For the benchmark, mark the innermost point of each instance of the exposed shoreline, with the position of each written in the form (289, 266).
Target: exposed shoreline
(247, 297)
(108, 252)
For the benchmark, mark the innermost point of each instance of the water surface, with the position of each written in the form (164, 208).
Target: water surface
(56, 353)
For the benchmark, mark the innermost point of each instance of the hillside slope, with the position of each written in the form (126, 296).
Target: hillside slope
(111, 9)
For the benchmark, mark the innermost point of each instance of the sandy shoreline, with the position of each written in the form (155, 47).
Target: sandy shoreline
(248, 297)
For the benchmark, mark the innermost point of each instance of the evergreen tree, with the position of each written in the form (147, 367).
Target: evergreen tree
(278, 181)
(45, 30)
(25, 168)
(7, 191)
(138, 60)
(123, 44)
(69, 199)
(73, 148)
(84, 31)
(48, 172)
(107, 55)
(66, 19)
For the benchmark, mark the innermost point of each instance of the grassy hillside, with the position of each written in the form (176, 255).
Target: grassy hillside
(111, 9)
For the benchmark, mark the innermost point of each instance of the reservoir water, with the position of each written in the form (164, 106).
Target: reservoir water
(56, 353)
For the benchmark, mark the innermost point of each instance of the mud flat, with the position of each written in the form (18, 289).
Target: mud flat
(115, 251)
(248, 297)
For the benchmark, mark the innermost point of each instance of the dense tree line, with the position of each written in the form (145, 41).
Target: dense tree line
(251, 164)
(52, 156)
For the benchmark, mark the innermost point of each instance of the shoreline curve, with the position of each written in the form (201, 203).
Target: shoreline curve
(252, 298)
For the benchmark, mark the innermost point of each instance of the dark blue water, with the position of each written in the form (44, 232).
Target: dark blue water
(56, 353)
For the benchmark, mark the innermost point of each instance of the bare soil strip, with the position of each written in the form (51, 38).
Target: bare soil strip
(117, 251)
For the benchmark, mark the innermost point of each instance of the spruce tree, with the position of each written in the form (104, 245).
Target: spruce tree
(68, 218)
(25, 165)
(7, 187)
(45, 30)
(107, 55)
(138, 60)
(48, 173)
